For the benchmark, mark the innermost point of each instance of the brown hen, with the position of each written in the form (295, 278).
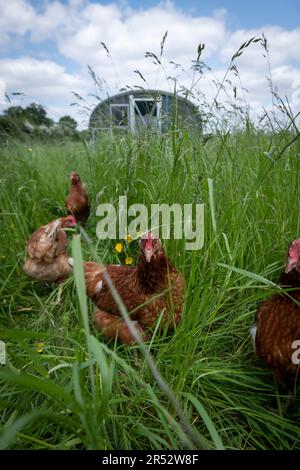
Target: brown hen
(47, 258)
(278, 322)
(78, 202)
(148, 289)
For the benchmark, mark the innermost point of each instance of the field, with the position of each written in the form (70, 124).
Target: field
(77, 391)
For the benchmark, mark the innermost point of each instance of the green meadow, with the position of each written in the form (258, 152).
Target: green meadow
(63, 385)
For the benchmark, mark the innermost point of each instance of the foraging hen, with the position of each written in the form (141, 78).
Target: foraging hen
(47, 258)
(148, 289)
(78, 202)
(278, 322)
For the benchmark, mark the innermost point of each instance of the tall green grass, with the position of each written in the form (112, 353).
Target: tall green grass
(83, 392)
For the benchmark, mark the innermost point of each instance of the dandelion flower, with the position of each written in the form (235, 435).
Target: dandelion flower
(119, 247)
(129, 238)
(128, 260)
(40, 347)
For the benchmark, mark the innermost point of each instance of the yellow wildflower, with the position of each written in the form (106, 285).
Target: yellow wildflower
(129, 238)
(40, 347)
(128, 260)
(119, 247)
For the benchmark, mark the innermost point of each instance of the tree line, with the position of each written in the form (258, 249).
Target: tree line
(17, 121)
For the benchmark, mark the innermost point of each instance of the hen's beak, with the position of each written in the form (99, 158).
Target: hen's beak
(148, 255)
(291, 264)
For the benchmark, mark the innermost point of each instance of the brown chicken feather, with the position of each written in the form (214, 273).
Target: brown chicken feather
(154, 282)
(278, 322)
(47, 252)
(78, 202)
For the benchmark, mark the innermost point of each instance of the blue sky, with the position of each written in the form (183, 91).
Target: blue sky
(45, 47)
(243, 14)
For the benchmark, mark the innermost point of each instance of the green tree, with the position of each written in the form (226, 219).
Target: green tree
(69, 122)
(14, 112)
(36, 114)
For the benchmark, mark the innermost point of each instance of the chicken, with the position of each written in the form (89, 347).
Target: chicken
(148, 289)
(47, 258)
(78, 202)
(277, 325)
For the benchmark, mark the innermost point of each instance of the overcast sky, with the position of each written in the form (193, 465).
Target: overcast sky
(46, 46)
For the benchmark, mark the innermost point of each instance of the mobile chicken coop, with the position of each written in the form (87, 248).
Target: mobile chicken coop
(137, 110)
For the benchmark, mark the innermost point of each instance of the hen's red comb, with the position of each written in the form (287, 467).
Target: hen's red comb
(294, 249)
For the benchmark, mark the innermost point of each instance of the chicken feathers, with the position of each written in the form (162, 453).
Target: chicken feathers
(148, 289)
(278, 322)
(47, 252)
(77, 201)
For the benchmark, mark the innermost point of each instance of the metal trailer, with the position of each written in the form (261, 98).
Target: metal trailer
(137, 110)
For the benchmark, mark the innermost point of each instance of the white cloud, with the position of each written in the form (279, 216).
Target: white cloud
(2, 92)
(58, 20)
(17, 16)
(284, 45)
(129, 36)
(76, 29)
(42, 81)
(38, 78)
